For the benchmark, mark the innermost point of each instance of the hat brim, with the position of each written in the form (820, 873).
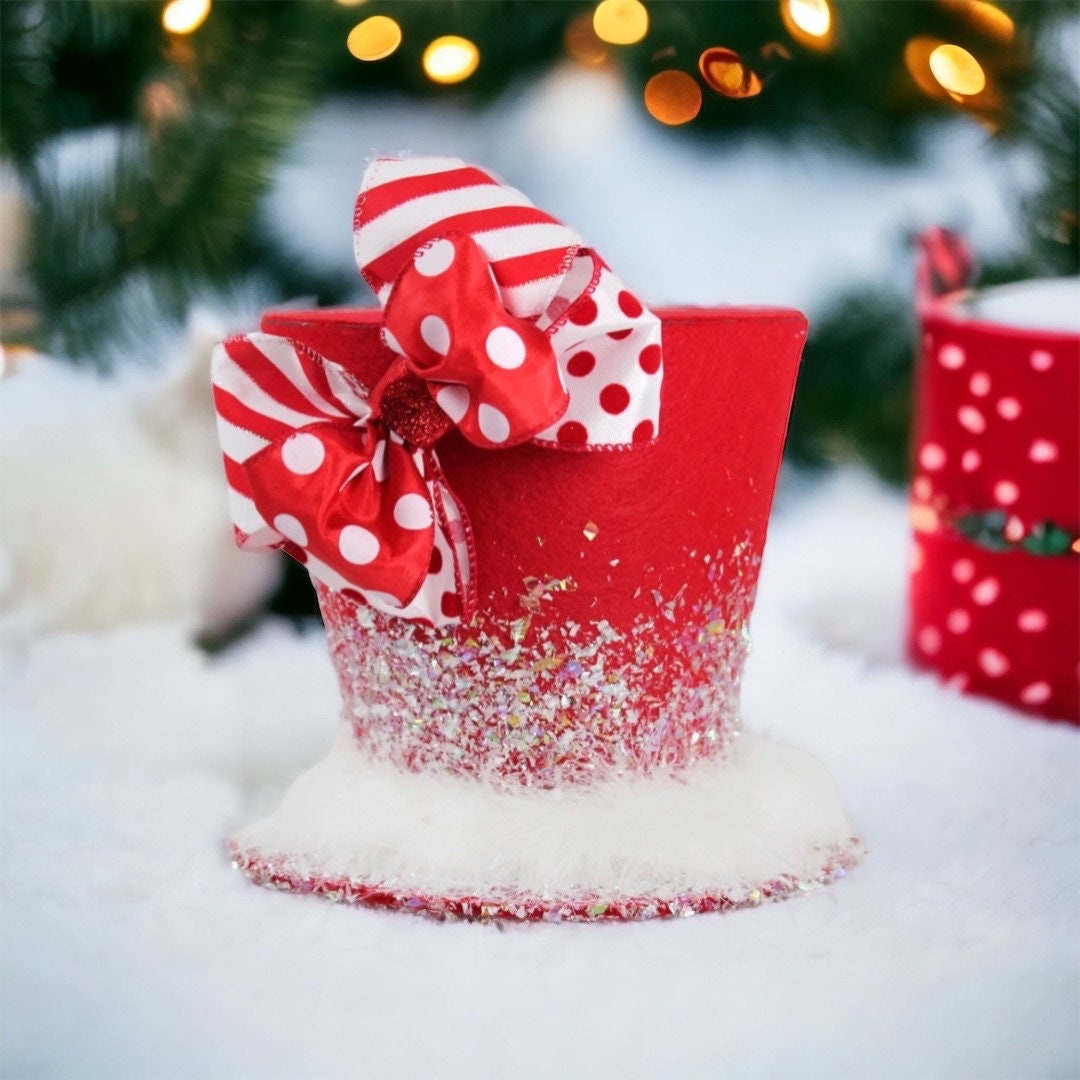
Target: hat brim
(762, 823)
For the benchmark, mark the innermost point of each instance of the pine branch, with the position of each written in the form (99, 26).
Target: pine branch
(174, 212)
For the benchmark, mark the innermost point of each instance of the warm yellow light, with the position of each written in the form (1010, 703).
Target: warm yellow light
(812, 17)
(673, 97)
(985, 17)
(450, 59)
(809, 22)
(374, 39)
(350, 3)
(620, 22)
(957, 70)
(185, 16)
(724, 71)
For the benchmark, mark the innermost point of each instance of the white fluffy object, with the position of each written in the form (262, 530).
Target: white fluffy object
(112, 499)
(722, 828)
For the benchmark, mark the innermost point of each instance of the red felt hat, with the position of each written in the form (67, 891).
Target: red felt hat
(541, 690)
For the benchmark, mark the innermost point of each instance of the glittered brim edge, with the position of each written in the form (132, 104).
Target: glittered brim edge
(277, 872)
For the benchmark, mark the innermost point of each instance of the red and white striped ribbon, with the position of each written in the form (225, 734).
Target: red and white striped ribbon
(516, 330)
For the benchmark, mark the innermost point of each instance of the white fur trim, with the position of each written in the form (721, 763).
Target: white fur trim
(722, 827)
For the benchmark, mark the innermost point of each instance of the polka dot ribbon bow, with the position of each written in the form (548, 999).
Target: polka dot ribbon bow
(503, 325)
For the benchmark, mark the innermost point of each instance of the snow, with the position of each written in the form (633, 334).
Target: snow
(950, 951)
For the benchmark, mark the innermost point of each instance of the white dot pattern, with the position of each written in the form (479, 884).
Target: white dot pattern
(302, 453)
(435, 334)
(358, 545)
(413, 511)
(435, 259)
(291, 528)
(504, 348)
(493, 424)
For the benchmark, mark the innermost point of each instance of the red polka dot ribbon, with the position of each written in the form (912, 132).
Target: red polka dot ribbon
(411, 217)
(498, 333)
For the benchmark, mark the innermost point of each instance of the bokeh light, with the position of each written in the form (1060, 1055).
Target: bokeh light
(582, 44)
(957, 70)
(984, 17)
(185, 16)
(450, 59)
(374, 39)
(673, 97)
(620, 22)
(724, 71)
(809, 22)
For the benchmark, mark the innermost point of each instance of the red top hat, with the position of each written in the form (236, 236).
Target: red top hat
(535, 531)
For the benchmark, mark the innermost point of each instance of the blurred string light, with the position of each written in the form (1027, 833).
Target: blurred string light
(620, 22)
(943, 70)
(673, 97)
(349, 3)
(957, 70)
(184, 16)
(374, 39)
(725, 72)
(988, 19)
(809, 22)
(450, 59)
(582, 44)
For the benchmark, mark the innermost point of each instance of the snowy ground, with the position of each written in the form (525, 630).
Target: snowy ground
(131, 948)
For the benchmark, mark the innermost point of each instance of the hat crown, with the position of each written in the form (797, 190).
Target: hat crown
(614, 588)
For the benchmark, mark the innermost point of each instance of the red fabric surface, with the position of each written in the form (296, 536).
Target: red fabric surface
(996, 430)
(706, 486)
(979, 391)
(1001, 624)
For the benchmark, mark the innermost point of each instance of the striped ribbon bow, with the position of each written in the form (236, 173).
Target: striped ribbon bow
(503, 325)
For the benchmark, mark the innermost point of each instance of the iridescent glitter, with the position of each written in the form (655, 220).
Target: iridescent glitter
(276, 874)
(536, 700)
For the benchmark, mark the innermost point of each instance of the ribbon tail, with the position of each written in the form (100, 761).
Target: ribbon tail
(608, 348)
(446, 595)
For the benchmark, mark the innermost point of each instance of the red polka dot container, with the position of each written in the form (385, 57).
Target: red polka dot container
(534, 512)
(995, 576)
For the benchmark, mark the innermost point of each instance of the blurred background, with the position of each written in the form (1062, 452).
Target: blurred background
(172, 168)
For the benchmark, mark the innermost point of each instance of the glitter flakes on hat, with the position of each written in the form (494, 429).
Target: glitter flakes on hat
(503, 325)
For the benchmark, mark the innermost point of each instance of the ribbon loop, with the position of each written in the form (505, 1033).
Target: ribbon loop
(313, 471)
(494, 375)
